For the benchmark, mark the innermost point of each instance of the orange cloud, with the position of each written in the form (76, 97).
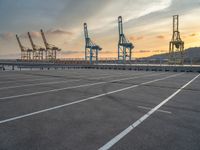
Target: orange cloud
(159, 51)
(136, 38)
(160, 37)
(6, 35)
(35, 34)
(59, 31)
(193, 34)
(109, 52)
(68, 52)
(142, 51)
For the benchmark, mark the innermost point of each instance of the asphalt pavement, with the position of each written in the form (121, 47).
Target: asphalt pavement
(99, 109)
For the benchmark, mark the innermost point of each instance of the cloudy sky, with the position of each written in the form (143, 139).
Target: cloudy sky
(147, 23)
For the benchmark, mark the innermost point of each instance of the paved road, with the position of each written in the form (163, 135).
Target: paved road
(88, 109)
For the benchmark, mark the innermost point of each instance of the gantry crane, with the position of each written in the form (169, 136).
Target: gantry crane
(37, 50)
(124, 46)
(25, 52)
(91, 49)
(176, 45)
(51, 50)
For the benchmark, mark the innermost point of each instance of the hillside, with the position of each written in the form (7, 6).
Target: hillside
(193, 53)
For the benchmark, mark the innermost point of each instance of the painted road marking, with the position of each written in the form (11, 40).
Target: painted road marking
(160, 110)
(72, 87)
(26, 80)
(57, 82)
(143, 118)
(47, 78)
(82, 100)
(43, 83)
(28, 85)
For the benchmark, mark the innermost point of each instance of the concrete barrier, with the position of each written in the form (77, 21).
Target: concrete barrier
(164, 68)
(139, 67)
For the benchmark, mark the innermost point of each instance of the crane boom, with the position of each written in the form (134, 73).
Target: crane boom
(25, 52)
(85, 30)
(120, 25)
(88, 42)
(19, 42)
(44, 39)
(31, 40)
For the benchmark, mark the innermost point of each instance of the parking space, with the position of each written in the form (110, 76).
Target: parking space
(88, 109)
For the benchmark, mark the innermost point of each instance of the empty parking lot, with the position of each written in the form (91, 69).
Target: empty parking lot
(99, 109)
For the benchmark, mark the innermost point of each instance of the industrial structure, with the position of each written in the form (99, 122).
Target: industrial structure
(124, 46)
(51, 50)
(176, 45)
(26, 53)
(38, 52)
(91, 49)
(49, 53)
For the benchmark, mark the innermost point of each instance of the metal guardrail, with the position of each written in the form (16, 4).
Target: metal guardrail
(144, 67)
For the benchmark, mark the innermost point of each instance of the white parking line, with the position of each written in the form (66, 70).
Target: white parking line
(29, 79)
(143, 118)
(57, 82)
(43, 78)
(159, 110)
(72, 87)
(83, 100)
(28, 85)
(10, 75)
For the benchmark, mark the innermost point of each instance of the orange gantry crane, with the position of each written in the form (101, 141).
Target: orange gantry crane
(176, 45)
(26, 53)
(51, 50)
(38, 52)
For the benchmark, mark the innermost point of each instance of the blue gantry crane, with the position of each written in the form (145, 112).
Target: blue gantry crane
(124, 46)
(91, 49)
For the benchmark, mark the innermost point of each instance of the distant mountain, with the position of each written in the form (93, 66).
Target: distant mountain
(193, 52)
